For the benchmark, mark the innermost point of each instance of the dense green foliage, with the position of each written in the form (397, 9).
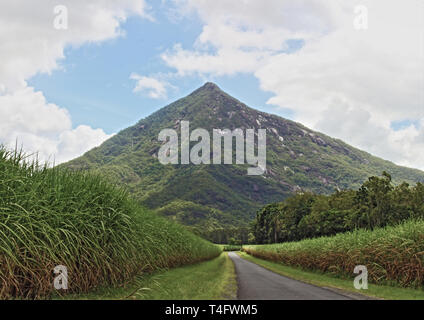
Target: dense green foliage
(51, 217)
(232, 247)
(376, 204)
(392, 255)
(212, 197)
(229, 235)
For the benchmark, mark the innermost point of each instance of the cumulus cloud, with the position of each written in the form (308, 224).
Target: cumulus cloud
(241, 37)
(28, 120)
(356, 125)
(352, 84)
(29, 44)
(73, 143)
(154, 88)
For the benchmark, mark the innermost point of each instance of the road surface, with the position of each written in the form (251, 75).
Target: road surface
(258, 283)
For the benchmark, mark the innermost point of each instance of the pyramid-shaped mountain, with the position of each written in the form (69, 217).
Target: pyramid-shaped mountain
(298, 159)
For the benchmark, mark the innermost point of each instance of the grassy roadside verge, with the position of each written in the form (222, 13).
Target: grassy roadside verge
(211, 280)
(323, 280)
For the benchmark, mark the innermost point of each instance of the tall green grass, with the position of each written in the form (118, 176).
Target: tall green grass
(51, 217)
(392, 255)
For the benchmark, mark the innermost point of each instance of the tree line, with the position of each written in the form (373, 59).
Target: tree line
(226, 235)
(377, 203)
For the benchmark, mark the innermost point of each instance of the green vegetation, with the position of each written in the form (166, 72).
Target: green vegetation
(393, 255)
(51, 217)
(376, 204)
(211, 280)
(227, 235)
(380, 225)
(298, 159)
(328, 281)
(231, 247)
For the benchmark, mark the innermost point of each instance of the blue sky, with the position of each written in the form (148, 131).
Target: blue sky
(63, 92)
(94, 83)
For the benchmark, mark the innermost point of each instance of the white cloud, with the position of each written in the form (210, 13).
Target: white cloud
(347, 83)
(243, 36)
(73, 143)
(155, 89)
(356, 125)
(26, 118)
(226, 61)
(29, 44)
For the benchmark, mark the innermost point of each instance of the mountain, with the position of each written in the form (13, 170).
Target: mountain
(298, 159)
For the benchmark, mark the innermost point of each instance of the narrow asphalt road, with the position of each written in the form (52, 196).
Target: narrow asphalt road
(258, 283)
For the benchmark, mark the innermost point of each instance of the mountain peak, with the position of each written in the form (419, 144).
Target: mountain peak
(210, 86)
